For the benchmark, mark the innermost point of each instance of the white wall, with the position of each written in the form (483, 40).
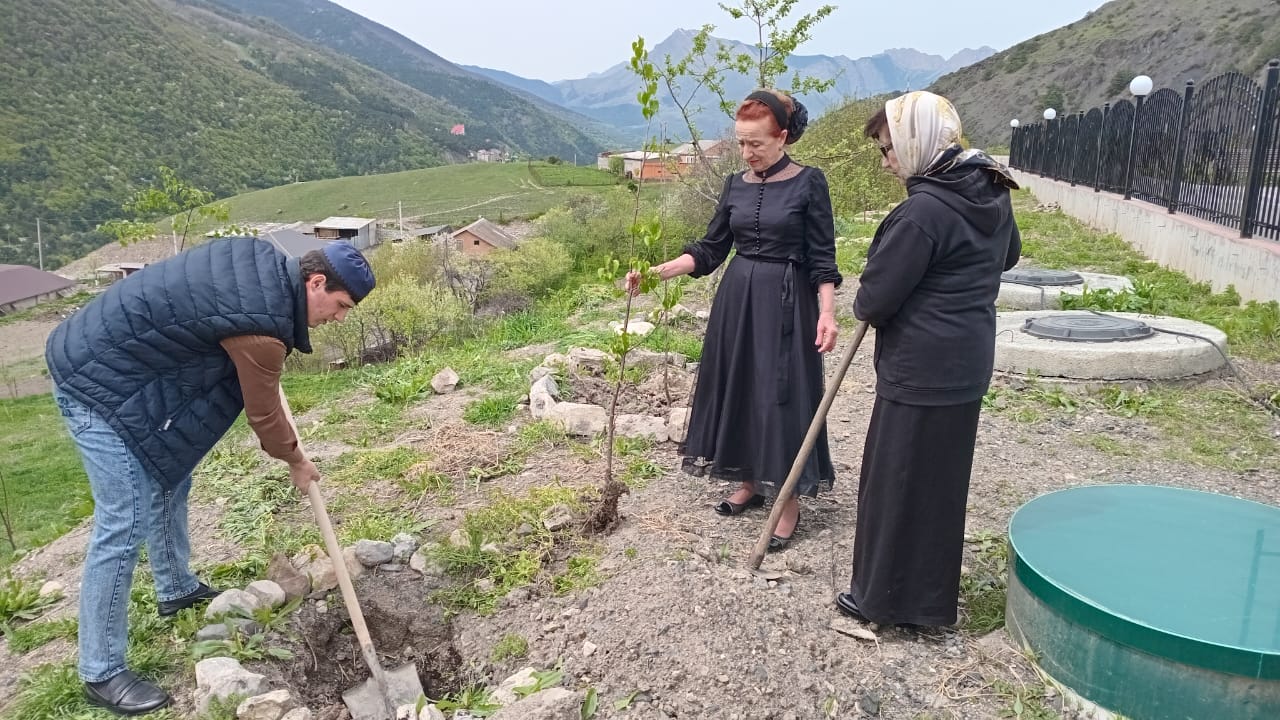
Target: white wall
(1204, 251)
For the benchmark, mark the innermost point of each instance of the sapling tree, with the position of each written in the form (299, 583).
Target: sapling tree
(169, 196)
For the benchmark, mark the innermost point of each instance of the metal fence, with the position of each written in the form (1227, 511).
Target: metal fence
(1212, 151)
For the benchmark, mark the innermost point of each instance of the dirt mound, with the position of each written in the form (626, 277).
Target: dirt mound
(405, 629)
(656, 394)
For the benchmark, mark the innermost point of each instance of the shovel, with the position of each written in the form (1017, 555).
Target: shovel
(378, 697)
(815, 427)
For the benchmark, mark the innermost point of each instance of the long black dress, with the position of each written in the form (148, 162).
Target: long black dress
(929, 289)
(760, 381)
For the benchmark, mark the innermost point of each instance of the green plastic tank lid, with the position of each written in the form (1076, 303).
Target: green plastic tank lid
(1187, 575)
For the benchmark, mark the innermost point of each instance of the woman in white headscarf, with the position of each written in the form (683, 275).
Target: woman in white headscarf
(929, 289)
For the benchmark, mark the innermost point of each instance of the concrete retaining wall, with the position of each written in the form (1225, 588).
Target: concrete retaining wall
(1204, 251)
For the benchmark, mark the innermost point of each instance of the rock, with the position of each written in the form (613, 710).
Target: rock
(539, 372)
(556, 361)
(546, 384)
(421, 562)
(283, 573)
(588, 648)
(392, 567)
(268, 706)
(316, 565)
(230, 602)
(588, 360)
(218, 631)
(702, 314)
(540, 404)
(406, 712)
(430, 712)
(579, 419)
(505, 694)
(268, 592)
(649, 359)
(852, 628)
(403, 546)
(639, 328)
(298, 714)
(460, 538)
(551, 704)
(52, 588)
(372, 553)
(678, 424)
(557, 517)
(641, 426)
(355, 568)
(444, 381)
(222, 677)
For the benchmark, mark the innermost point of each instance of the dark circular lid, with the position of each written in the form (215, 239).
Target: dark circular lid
(1086, 328)
(1041, 276)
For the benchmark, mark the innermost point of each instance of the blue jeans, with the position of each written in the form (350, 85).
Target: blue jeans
(130, 508)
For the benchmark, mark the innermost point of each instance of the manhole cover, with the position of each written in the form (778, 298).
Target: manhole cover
(1086, 328)
(1041, 276)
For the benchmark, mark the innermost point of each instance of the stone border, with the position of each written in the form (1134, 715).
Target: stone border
(588, 420)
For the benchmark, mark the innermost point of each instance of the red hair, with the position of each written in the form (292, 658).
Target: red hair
(751, 110)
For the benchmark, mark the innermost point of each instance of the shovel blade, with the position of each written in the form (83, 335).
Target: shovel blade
(366, 702)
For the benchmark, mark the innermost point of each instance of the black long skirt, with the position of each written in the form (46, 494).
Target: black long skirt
(908, 544)
(760, 381)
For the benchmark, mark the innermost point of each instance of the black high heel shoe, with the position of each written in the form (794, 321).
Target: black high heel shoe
(727, 508)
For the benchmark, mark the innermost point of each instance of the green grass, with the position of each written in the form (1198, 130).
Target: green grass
(984, 587)
(363, 466)
(48, 309)
(25, 638)
(510, 646)
(453, 194)
(1054, 240)
(47, 490)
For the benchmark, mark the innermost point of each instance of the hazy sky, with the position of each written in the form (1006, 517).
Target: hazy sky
(561, 39)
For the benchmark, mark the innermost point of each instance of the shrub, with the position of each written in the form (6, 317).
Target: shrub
(541, 264)
(402, 314)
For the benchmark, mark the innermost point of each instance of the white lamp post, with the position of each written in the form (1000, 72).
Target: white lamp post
(1140, 86)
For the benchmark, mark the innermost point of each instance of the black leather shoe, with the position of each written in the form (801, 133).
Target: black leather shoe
(845, 602)
(728, 508)
(203, 593)
(778, 543)
(126, 694)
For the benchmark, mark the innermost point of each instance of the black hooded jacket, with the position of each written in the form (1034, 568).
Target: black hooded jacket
(930, 286)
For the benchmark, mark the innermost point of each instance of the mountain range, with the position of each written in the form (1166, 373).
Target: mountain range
(1091, 61)
(609, 95)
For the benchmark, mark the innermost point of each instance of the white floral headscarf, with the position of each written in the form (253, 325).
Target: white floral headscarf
(921, 127)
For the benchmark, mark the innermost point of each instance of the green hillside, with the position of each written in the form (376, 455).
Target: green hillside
(453, 194)
(111, 90)
(1091, 61)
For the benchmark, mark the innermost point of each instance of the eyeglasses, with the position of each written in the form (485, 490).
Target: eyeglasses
(884, 149)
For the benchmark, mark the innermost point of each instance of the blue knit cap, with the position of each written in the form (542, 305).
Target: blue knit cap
(350, 267)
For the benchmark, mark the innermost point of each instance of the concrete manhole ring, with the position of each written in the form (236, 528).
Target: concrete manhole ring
(1086, 328)
(1159, 356)
(1020, 290)
(1041, 276)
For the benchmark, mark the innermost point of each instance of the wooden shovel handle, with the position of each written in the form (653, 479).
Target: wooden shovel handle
(340, 570)
(811, 437)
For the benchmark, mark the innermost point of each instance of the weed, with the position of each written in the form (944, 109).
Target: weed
(493, 411)
(240, 646)
(1025, 702)
(631, 553)
(372, 522)
(542, 679)
(363, 466)
(474, 700)
(510, 646)
(580, 574)
(21, 600)
(983, 588)
(590, 704)
(28, 637)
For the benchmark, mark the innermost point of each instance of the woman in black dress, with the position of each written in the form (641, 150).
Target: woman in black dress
(929, 289)
(760, 380)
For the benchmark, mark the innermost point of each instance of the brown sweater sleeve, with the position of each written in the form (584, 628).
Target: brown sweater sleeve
(259, 360)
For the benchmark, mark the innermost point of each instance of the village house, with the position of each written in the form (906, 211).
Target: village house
(650, 165)
(22, 286)
(360, 232)
(481, 238)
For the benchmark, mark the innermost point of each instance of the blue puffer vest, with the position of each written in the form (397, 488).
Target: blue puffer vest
(145, 355)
